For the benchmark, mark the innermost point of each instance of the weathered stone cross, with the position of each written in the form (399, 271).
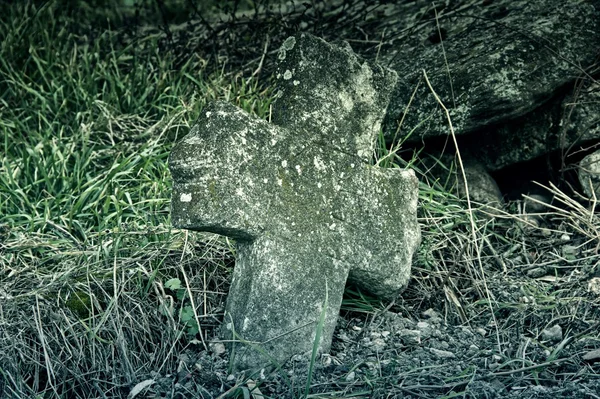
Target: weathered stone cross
(307, 210)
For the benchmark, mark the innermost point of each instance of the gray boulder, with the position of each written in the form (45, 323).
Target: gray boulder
(516, 76)
(500, 60)
(300, 197)
(570, 123)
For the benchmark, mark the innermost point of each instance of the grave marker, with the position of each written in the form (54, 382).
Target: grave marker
(306, 208)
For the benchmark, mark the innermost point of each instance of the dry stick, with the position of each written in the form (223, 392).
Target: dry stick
(577, 213)
(469, 208)
(119, 329)
(38, 323)
(262, 59)
(397, 146)
(437, 22)
(100, 391)
(122, 348)
(444, 386)
(528, 368)
(189, 291)
(171, 350)
(204, 293)
(495, 254)
(550, 362)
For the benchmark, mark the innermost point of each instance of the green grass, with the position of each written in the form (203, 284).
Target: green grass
(86, 243)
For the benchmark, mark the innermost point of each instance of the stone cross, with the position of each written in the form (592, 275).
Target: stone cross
(307, 209)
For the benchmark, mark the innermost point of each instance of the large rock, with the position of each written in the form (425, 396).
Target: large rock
(516, 76)
(570, 123)
(307, 209)
(499, 61)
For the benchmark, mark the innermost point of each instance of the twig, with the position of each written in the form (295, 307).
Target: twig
(38, 323)
(262, 59)
(437, 22)
(189, 292)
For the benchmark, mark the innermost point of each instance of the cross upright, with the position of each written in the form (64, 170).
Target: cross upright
(307, 209)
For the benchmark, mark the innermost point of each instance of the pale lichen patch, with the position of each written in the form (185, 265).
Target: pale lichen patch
(346, 100)
(319, 164)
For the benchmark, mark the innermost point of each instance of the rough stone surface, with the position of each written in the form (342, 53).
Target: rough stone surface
(499, 61)
(516, 76)
(589, 175)
(482, 187)
(570, 123)
(299, 196)
(580, 114)
(519, 77)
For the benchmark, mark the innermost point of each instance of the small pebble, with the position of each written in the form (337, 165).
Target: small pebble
(378, 344)
(592, 356)
(218, 348)
(570, 251)
(553, 333)
(423, 325)
(537, 272)
(442, 354)
(546, 232)
(594, 285)
(425, 328)
(432, 315)
(351, 376)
